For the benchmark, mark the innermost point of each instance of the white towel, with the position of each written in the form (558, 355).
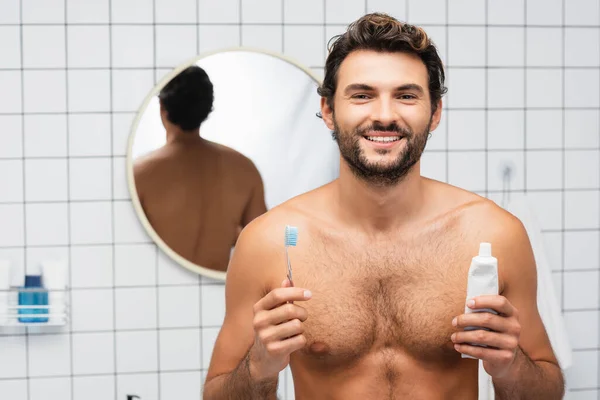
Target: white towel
(548, 305)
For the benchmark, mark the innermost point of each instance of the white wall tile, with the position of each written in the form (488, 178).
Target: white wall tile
(15, 389)
(467, 170)
(506, 47)
(135, 308)
(121, 128)
(209, 336)
(343, 11)
(47, 224)
(542, 48)
(587, 394)
(44, 46)
(89, 135)
(581, 128)
(544, 12)
(145, 386)
(94, 387)
(135, 265)
(45, 135)
(89, 179)
(92, 310)
(91, 266)
(506, 88)
(466, 88)
(14, 357)
(581, 88)
(215, 37)
(581, 250)
(55, 388)
(44, 91)
(582, 169)
(12, 232)
(179, 349)
(584, 373)
(11, 181)
(10, 43)
(558, 283)
(132, 11)
(175, 11)
(582, 12)
(120, 184)
(180, 385)
(261, 11)
(295, 44)
(132, 46)
(92, 11)
(175, 45)
(91, 223)
(128, 228)
(93, 353)
(306, 12)
(49, 355)
(223, 12)
(10, 95)
(171, 273)
(266, 37)
(466, 56)
(581, 209)
(11, 140)
(547, 208)
(582, 47)
(506, 129)
(497, 162)
(430, 12)
(433, 165)
(10, 12)
(89, 91)
(213, 305)
(81, 53)
(553, 249)
(544, 129)
(186, 300)
(506, 12)
(581, 290)
(43, 11)
(544, 169)
(137, 351)
(466, 12)
(130, 88)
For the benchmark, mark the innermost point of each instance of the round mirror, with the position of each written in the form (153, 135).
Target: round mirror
(218, 142)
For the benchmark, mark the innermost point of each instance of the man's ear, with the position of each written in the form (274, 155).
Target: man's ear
(436, 117)
(327, 114)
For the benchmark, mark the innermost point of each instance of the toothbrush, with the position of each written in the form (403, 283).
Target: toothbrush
(291, 238)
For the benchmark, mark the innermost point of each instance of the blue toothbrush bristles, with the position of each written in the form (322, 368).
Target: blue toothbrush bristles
(291, 235)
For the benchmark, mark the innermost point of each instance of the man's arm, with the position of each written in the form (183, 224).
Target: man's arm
(535, 373)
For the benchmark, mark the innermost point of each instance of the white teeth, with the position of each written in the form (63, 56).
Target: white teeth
(383, 138)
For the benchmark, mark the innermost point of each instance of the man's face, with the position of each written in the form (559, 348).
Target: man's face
(382, 114)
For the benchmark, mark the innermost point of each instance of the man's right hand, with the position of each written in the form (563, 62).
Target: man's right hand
(278, 327)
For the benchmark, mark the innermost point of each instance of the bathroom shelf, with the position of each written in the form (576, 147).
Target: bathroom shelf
(56, 313)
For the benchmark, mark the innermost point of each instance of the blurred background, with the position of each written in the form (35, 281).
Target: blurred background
(522, 117)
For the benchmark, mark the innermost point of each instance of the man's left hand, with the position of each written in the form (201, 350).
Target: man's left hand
(502, 339)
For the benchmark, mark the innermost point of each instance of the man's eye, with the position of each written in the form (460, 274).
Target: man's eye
(360, 96)
(407, 96)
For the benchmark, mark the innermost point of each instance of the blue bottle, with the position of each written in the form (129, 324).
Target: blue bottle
(33, 298)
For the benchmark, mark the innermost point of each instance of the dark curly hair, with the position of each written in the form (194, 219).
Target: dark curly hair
(383, 33)
(188, 98)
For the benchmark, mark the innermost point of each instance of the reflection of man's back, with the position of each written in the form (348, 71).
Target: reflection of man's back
(197, 195)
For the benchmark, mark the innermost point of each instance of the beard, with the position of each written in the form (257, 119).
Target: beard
(380, 174)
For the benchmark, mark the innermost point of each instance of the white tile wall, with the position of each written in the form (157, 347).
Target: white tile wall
(141, 325)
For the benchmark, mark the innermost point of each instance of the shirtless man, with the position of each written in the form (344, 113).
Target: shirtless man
(196, 194)
(376, 310)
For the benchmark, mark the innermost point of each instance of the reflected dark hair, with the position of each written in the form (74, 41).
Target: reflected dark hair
(188, 98)
(383, 33)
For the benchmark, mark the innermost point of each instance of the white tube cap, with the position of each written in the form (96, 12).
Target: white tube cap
(485, 249)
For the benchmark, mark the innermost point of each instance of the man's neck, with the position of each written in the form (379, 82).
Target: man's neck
(379, 209)
(176, 135)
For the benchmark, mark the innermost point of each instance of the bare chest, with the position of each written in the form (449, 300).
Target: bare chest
(382, 299)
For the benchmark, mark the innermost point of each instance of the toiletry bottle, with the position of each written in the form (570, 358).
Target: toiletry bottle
(34, 295)
(483, 280)
(4, 290)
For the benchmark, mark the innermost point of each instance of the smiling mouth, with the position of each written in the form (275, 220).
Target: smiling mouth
(383, 139)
